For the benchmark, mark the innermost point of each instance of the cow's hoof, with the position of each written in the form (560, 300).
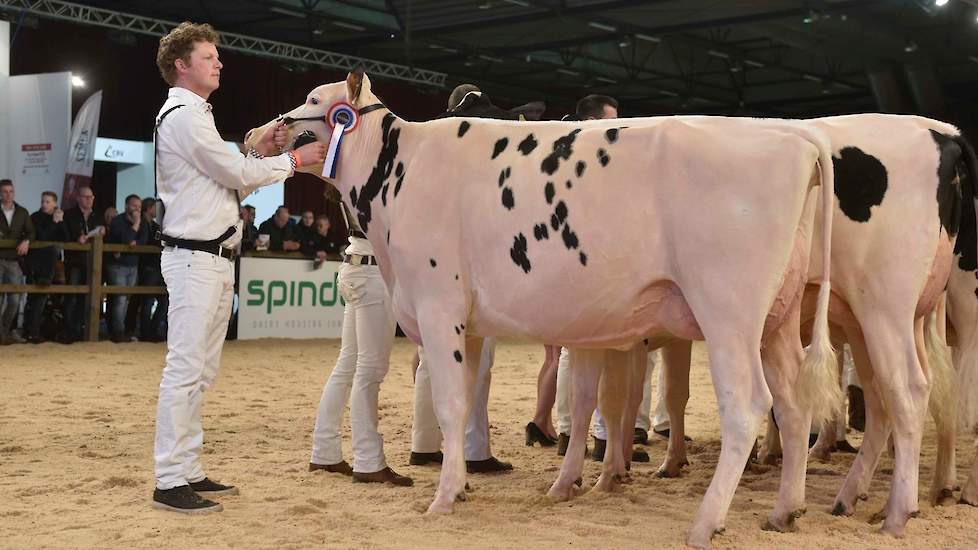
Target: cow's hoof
(461, 496)
(878, 517)
(702, 540)
(607, 483)
(671, 469)
(967, 502)
(896, 528)
(945, 497)
(781, 526)
(769, 459)
(440, 508)
(863, 496)
(756, 468)
(558, 493)
(823, 454)
(841, 509)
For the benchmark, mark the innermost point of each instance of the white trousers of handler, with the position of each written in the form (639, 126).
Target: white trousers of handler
(364, 359)
(425, 432)
(201, 287)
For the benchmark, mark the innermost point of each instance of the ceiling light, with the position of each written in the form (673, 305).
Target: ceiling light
(716, 53)
(601, 26)
(668, 93)
(810, 17)
(753, 63)
(910, 46)
(317, 32)
(77, 81)
(485, 5)
(290, 13)
(520, 3)
(351, 26)
(811, 77)
(490, 58)
(606, 79)
(940, 3)
(568, 72)
(648, 38)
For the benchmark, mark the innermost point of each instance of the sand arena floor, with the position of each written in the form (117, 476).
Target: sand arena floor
(76, 434)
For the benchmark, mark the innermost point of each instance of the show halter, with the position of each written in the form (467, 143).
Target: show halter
(343, 118)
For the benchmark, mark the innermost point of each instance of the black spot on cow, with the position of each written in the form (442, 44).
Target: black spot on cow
(569, 184)
(860, 183)
(603, 157)
(976, 293)
(527, 145)
(504, 175)
(381, 171)
(463, 127)
(948, 190)
(458, 356)
(397, 185)
(508, 200)
(562, 149)
(353, 196)
(458, 330)
(540, 232)
(456, 276)
(611, 135)
(583, 258)
(518, 253)
(399, 171)
(383, 194)
(560, 212)
(581, 165)
(570, 238)
(499, 147)
(966, 245)
(462, 325)
(549, 192)
(432, 262)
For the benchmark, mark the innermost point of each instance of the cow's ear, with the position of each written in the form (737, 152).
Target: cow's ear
(531, 111)
(357, 85)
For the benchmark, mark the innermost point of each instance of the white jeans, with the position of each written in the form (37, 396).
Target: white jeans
(201, 287)
(643, 420)
(425, 432)
(368, 335)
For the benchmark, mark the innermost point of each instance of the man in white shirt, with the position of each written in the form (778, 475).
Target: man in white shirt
(200, 182)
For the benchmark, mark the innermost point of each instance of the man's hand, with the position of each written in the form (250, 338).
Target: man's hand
(273, 140)
(23, 247)
(135, 225)
(290, 245)
(132, 243)
(321, 256)
(311, 154)
(83, 239)
(59, 215)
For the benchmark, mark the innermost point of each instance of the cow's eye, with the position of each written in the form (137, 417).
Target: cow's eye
(313, 101)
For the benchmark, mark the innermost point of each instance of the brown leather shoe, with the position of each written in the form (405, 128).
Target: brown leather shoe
(384, 476)
(340, 467)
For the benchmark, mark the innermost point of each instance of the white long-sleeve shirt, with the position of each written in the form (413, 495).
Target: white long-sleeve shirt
(199, 175)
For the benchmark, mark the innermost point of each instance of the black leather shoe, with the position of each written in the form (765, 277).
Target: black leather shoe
(563, 440)
(423, 459)
(490, 465)
(535, 435)
(845, 447)
(638, 455)
(597, 454)
(183, 500)
(340, 467)
(209, 488)
(383, 476)
(641, 437)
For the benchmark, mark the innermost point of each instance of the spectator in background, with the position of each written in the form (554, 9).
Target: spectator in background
(127, 228)
(82, 224)
(249, 233)
(282, 235)
(108, 215)
(151, 322)
(15, 224)
(48, 226)
(306, 227)
(319, 243)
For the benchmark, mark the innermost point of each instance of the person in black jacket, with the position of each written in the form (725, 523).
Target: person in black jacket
(319, 243)
(282, 234)
(82, 223)
(48, 226)
(249, 233)
(15, 224)
(123, 269)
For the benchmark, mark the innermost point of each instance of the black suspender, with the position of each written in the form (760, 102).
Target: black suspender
(160, 207)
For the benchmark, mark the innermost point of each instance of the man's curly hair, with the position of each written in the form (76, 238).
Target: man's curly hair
(178, 44)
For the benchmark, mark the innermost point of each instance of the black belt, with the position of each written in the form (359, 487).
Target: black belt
(212, 246)
(356, 259)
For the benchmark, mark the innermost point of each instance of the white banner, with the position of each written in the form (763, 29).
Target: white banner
(81, 149)
(119, 150)
(288, 299)
(39, 115)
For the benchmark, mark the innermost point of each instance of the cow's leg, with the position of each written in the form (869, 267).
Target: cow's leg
(612, 399)
(676, 358)
(904, 390)
(827, 435)
(638, 359)
(782, 356)
(969, 493)
(770, 451)
(935, 352)
(585, 366)
(856, 485)
(743, 399)
(453, 375)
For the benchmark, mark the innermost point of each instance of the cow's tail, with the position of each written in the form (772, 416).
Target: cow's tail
(818, 386)
(942, 394)
(966, 383)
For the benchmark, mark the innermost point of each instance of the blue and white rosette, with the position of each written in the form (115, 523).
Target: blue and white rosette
(344, 119)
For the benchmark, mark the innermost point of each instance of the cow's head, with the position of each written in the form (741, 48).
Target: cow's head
(313, 120)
